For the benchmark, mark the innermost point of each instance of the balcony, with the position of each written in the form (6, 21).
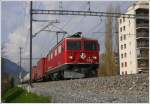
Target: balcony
(139, 25)
(142, 35)
(142, 13)
(143, 43)
(142, 53)
(143, 70)
(142, 16)
(143, 64)
(143, 56)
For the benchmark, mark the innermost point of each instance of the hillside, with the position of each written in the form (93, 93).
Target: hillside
(11, 68)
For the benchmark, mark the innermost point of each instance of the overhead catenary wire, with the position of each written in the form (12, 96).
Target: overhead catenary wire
(49, 24)
(83, 6)
(80, 20)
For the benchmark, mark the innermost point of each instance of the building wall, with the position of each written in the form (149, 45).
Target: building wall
(130, 40)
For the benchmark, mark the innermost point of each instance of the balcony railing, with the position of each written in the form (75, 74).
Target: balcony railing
(142, 34)
(142, 25)
(142, 45)
(142, 16)
(143, 65)
(145, 56)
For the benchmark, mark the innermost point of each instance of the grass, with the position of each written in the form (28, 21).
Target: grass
(18, 95)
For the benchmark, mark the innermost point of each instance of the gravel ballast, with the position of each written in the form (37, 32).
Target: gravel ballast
(116, 89)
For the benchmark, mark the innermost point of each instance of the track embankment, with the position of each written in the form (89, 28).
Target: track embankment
(116, 89)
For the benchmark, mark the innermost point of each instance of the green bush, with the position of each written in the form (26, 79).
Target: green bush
(12, 93)
(19, 95)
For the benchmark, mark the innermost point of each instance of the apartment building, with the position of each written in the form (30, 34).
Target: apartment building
(134, 40)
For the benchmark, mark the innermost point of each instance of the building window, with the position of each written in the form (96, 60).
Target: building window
(123, 19)
(125, 54)
(125, 72)
(121, 47)
(120, 29)
(124, 46)
(120, 20)
(120, 38)
(124, 28)
(121, 55)
(122, 64)
(124, 37)
(125, 64)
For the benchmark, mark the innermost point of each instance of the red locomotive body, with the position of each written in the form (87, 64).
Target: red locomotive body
(41, 68)
(72, 57)
(80, 55)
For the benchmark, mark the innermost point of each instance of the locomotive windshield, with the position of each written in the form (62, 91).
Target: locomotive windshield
(90, 45)
(73, 45)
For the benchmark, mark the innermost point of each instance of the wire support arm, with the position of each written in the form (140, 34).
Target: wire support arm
(85, 13)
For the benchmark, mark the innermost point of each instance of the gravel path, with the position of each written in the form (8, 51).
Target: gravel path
(116, 89)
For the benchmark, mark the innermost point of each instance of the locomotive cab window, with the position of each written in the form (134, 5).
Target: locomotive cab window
(73, 45)
(90, 45)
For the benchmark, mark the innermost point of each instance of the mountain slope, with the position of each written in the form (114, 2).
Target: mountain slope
(12, 68)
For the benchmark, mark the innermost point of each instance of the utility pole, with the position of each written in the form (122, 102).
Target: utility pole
(20, 57)
(57, 37)
(30, 82)
(19, 76)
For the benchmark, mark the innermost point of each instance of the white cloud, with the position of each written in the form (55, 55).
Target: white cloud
(20, 38)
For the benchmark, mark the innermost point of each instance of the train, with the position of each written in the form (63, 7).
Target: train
(73, 57)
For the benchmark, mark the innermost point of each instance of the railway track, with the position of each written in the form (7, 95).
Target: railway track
(119, 89)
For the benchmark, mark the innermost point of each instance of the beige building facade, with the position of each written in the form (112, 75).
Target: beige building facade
(134, 40)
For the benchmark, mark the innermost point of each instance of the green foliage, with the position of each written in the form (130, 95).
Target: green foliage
(108, 67)
(30, 98)
(12, 82)
(12, 93)
(6, 82)
(18, 95)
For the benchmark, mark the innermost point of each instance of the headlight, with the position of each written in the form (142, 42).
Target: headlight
(70, 57)
(94, 57)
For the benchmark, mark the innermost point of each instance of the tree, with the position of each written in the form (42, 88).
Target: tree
(108, 66)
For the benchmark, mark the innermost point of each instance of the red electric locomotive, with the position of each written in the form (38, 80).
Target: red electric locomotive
(73, 57)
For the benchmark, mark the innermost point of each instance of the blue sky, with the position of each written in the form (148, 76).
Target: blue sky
(15, 25)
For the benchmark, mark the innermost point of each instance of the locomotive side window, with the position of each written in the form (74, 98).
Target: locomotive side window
(51, 55)
(62, 49)
(56, 52)
(59, 49)
(90, 45)
(73, 45)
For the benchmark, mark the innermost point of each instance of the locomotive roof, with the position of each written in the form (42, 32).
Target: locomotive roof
(70, 38)
(80, 38)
